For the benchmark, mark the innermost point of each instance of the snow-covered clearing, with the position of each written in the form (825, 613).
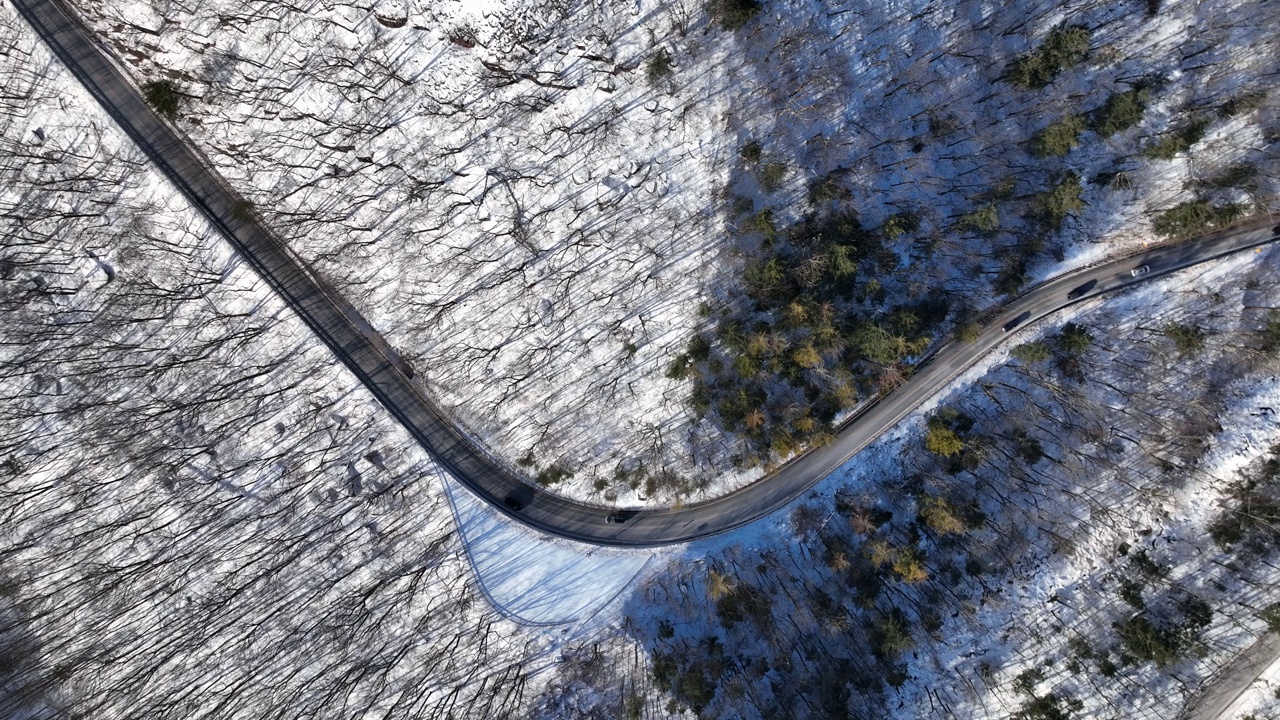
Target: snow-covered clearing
(537, 579)
(539, 216)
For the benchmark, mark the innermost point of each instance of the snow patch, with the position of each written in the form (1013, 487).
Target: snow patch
(536, 579)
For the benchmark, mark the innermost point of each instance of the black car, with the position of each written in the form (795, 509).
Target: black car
(1080, 291)
(1017, 321)
(619, 517)
(518, 498)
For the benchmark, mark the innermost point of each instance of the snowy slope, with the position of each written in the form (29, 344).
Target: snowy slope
(505, 193)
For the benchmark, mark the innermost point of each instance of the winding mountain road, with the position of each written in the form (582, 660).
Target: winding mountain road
(368, 355)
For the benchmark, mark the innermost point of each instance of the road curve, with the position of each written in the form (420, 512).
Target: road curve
(367, 354)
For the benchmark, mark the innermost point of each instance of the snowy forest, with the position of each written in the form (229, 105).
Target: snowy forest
(644, 252)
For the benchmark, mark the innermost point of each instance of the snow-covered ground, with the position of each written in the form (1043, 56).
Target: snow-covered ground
(202, 513)
(540, 227)
(205, 516)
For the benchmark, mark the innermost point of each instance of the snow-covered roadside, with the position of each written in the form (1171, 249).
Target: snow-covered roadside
(1261, 700)
(537, 579)
(508, 197)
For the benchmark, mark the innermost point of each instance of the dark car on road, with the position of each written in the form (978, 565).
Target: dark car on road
(619, 517)
(518, 498)
(1017, 321)
(1080, 291)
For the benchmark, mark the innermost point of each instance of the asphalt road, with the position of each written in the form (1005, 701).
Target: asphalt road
(367, 354)
(1221, 692)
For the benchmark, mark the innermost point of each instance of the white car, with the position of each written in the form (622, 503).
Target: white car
(1140, 270)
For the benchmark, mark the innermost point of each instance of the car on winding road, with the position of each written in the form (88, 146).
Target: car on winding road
(1081, 290)
(1017, 321)
(518, 498)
